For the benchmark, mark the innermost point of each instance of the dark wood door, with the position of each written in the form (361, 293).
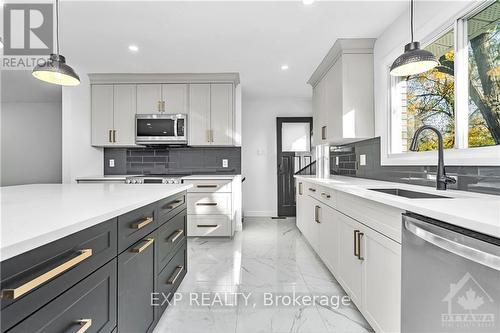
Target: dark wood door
(286, 167)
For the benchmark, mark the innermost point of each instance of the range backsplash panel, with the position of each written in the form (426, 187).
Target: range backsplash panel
(482, 179)
(172, 160)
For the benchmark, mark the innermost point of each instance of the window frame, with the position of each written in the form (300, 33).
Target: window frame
(461, 154)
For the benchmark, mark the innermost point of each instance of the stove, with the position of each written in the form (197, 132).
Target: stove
(154, 179)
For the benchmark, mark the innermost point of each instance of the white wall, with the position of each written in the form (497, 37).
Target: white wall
(431, 18)
(79, 157)
(259, 149)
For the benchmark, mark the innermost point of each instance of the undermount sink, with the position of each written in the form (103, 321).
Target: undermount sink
(408, 194)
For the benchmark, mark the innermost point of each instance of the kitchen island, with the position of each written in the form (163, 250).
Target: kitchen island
(90, 255)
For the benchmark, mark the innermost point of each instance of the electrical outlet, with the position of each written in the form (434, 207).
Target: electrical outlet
(224, 163)
(362, 159)
(111, 163)
(336, 160)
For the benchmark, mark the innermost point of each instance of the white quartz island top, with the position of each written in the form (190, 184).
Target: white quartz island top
(474, 211)
(216, 177)
(35, 215)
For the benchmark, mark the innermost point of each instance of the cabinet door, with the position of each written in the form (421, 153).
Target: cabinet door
(317, 124)
(381, 281)
(300, 206)
(199, 114)
(350, 266)
(334, 102)
(102, 114)
(221, 114)
(136, 282)
(175, 98)
(124, 114)
(148, 98)
(329, 237)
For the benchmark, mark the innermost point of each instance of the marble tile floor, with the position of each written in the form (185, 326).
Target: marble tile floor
(246, 285)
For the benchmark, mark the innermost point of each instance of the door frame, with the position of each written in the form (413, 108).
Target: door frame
(279, 153)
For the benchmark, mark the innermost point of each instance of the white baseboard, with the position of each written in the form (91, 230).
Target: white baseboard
(259, 213)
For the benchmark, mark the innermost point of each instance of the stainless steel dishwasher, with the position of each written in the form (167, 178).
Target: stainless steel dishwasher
(450, 278)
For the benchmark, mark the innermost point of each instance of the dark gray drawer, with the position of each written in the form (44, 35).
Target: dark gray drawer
(171, 276)
(136, 281)
(91, 302)
(171, 206)
(169, 236)
(135, 225)
(31, 280)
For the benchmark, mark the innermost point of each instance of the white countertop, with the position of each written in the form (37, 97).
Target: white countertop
(195, 177)
(34, 215)
(474, 211)
(122, 177)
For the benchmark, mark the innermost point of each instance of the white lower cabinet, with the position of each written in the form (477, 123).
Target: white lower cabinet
(366, 262)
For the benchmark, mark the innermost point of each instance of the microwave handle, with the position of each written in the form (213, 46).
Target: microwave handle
(175, 127)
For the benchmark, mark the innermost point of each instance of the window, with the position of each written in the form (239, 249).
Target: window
(429, 98)
(483, 37)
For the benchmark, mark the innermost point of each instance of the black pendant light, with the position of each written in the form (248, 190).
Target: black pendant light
(413, 60)
(55, 70)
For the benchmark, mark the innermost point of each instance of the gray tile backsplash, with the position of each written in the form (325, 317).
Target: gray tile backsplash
(483, 179)
(172, 160)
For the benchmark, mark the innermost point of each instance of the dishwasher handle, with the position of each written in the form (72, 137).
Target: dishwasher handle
(431, 234)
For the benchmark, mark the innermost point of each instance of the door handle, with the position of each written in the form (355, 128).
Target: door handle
(110, 139)
(316, 214)
(326, 195)
(163, 106)
(159, 106)
(173, 204)
(174, 236)
(206, 186)
(142, 223)
(45, 277)
(360, 234)
(208, 135)
(147, 242)
(300, 188)
(355, 247)
(206, 204)
(114, 136)
(207, 225)
(176, 275)
(323, 133)
(312, 189)
(85, 325)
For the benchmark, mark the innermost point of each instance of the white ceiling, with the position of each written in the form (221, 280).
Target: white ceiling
(253, 38)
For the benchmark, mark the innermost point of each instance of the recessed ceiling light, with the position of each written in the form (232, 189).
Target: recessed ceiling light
(133, 48)
(284, 67)
(307, 2)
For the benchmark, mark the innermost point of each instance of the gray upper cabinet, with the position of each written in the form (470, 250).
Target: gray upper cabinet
(148, 98)
(113, 112)
(175, 98)
(199, 114)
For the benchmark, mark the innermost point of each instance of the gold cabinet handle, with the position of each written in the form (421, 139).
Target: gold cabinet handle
(300, 188)
(45, 277)
(356, 243)
(207, 225)
(316, 214)
(212, 136)
(326, 195)
(142, 223)
(147, 242)
(159, 106)
(114, 136)
(85, 325)
(360, 234)
(110, 138)
(312, 189)
(206, 204)
(173, 204)
(163, 106)
(174, 236)
(176, 275)
(206, 186)
(208, 135)
(323, 133)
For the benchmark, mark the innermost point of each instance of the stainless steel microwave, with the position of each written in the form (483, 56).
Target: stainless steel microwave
(161, 129)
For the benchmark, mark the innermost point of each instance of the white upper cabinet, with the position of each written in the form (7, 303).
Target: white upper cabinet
(343, 93)
(148, 98)
(102, 115)
(175, 98)
(199, 114)
(124, 107)
(221, 114)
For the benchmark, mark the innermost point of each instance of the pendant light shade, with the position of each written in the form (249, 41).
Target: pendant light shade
(55, 70)
(413, 60)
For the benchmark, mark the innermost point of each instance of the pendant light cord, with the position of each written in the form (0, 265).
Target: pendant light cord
(411, 19)
(57, 26)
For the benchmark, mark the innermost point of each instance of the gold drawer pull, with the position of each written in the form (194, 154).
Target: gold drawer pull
(176, 275)
(312, 189)
(326, 195)
(207, 225)
(148, 241)
(174, 204)
(356, 254)
(85, 325)
(206, 204)
(174, 236)
(28, 286)
(206, 186)
(316, 214)
(142, 223)
(360, 234)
